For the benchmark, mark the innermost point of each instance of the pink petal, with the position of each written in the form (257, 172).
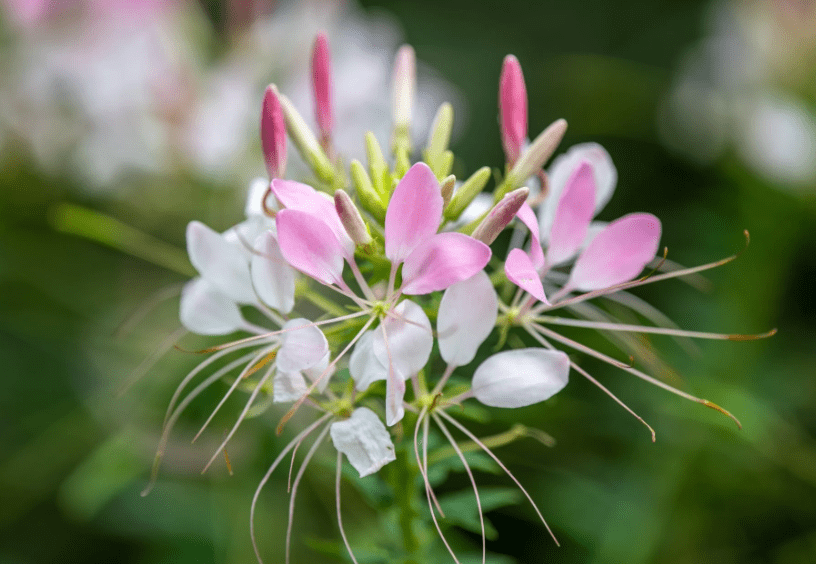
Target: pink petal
(520, 271)
(573, 214)
(302, 197)
(606, 177)
(528, 218)
(443, 260)
(618, 253)
(512, 108)
(413, 214)
(273, 133)
(322, 84)
(310, 246)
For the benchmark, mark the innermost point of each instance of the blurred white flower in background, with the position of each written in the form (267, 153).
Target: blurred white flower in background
(105, 89)
(750, 85)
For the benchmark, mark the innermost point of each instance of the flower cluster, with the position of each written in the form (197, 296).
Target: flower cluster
(373, 248)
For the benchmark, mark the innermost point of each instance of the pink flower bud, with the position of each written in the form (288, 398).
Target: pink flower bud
(512, 108)
(273, 133)
(322, 87)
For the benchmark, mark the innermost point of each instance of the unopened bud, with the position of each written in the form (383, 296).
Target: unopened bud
(322, 86)
(380, 176)
(512, 109)
(404, 86)
(446, 186)
(538, 153)
(439, 136)
(273, 133)
(466, 192)
(305, 141)
(351, 219)
(369, 198)
(500, 216)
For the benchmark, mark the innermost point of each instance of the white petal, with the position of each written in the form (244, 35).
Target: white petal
(410, 339)
(273, 278)
(302, 346)
(606, 177)
(289, 386)
(394, 394)
(255, 194)
(520, 377)
(218, 261)
(364, 440)
(467, 314)
(206, 311)
(364, 365)
(317, 371)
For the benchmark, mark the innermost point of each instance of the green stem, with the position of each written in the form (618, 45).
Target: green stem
(514, 433)
(101, 228)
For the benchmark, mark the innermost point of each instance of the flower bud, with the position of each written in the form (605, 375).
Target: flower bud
(446, 186)
(273, 133)
(305, 141)
(351, 219)
(466, 192)
(439, 137)
(501, 215)
(512, 109)
(369, 198)
(380, 176)
(322, 85)
(538, 153)
(403, 87)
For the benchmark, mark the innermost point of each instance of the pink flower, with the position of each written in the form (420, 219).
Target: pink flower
(617, 254)
(313, 240)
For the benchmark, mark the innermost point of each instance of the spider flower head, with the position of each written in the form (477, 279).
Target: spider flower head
(394, 256)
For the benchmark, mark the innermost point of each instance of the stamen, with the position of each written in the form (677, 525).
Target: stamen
(302, 435)
(577, 346)
(127, 324)
(242, 415)
(472, 481)
(642, 282)
(255, 338)
(424, 469)
(149, 362)
(648, 329)
(475, 439)
(242, 376)
(339, 514)
(429, 490)
(201, 366)
(444, 380)
(295, 485)
(170, 420)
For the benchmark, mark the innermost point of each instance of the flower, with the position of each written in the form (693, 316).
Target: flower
(403, 240)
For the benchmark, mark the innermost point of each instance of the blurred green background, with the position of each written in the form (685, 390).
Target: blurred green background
(75, 453)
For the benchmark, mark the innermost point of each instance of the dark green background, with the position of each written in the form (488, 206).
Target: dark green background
(74, 456)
